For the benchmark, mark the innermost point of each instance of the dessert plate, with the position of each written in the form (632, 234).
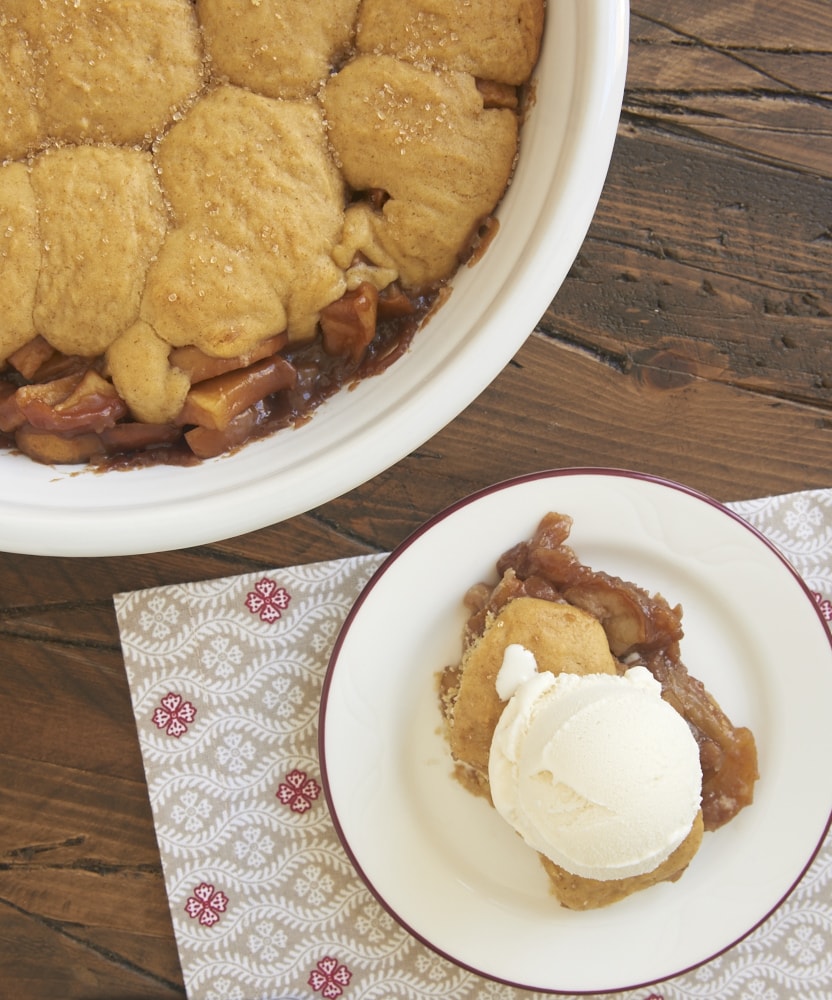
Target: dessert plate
(443, 862)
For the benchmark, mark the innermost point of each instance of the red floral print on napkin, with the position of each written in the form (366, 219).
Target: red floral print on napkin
(824, 604)
(298, 791)
(329, 978)
(174, 715)
(206, 904)
(267, 600)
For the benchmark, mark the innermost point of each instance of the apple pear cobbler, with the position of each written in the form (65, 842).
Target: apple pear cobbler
(213, 214)
(572, 711)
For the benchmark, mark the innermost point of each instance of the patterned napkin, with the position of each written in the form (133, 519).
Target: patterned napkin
(225, 678)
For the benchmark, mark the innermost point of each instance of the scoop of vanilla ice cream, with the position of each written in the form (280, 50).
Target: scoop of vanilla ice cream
(595, 771)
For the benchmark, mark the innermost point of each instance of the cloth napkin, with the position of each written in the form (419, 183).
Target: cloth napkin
(225, 678)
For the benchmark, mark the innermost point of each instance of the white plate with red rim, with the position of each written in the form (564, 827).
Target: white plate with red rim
(442, 861)
(566, 143)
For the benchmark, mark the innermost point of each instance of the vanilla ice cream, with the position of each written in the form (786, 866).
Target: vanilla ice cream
(596, 772)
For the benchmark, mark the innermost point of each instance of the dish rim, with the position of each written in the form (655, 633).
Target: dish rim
(57, 512)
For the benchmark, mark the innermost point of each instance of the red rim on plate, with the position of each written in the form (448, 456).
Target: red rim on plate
(661, 516)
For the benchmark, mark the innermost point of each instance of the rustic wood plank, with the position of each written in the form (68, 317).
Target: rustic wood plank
(70, 705)
(759, 125)
(556, 406)
(81, 869)
(799, 26)
(753, 77)
(111, 913)
(727, 264)
(41, 962)
(52, 582)
(309, 538)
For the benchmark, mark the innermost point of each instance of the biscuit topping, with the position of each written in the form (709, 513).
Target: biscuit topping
(213, 175)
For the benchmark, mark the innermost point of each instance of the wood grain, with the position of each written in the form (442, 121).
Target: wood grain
(711, 248)
(691, 339)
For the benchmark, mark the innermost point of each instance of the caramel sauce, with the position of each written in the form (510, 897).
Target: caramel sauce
(319, 376)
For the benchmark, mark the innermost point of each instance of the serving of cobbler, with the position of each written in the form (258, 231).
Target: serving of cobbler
(580, 620)
(215, 214)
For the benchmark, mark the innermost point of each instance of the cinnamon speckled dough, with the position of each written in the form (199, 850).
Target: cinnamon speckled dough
(578, 893)
(204, 292)
(21, 125)
(153, 389)
(563, 639)
(424, 138)
(493, 39)
(109, 72)
(251, 254)
(19, 257)
(280, 48)
(102, 219)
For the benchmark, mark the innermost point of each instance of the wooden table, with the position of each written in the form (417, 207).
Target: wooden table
(692, 339)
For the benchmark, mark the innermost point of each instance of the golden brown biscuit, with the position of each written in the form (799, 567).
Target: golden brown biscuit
(492, 39)
(361, 255)
(88, 57)
(562, 638)
(102, 220)
(578, 893)
(19, 257)
(21, 123)
(251, 254)
(280, 48)
(202, 291)
(137, 362)
(419, 135)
